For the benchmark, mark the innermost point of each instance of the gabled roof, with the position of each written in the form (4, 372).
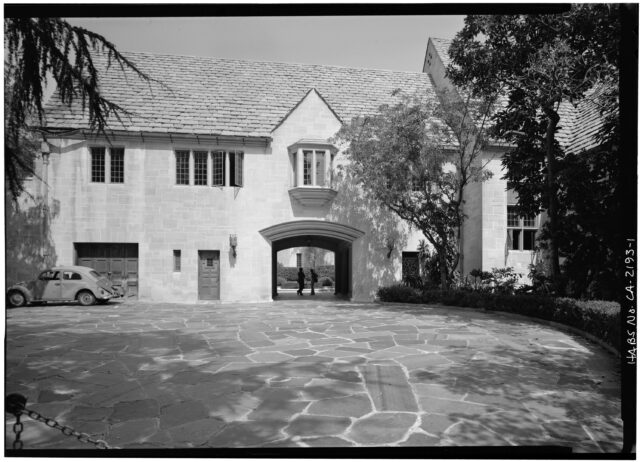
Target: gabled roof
(578, 124)
(230, 97)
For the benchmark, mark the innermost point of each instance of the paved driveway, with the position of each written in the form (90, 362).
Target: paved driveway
(308, 372)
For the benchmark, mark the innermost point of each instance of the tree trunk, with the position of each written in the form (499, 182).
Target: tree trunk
(552, 192)
(442, 256)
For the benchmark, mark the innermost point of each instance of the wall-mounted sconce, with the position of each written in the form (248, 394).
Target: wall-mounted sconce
(233, 242)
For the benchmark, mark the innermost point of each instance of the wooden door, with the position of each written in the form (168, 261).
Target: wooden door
(209, 275)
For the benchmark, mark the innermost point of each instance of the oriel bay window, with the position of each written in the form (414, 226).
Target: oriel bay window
(312, 166)
(210, 168)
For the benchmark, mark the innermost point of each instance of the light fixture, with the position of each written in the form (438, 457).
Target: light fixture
(233, 242)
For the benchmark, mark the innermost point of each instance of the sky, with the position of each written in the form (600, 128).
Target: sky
(376, 42)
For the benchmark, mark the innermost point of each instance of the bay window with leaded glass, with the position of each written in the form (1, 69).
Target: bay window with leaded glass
(311, 168)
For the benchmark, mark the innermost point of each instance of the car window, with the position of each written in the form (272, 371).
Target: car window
(95, 274)
(71, 276)
(48, 275)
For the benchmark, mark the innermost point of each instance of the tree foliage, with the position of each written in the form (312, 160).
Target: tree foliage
(539, 62)
(416, 157)
(36, 48)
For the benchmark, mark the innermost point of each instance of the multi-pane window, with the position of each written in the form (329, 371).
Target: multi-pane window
(117, 165)
(236, 169)
(200, 168)
(521, 231)
(98, 165)
(177, 263)
(299, 260)
(218, 168)
(320, 168)
(306, 175)
(182, 167)
(107, 165)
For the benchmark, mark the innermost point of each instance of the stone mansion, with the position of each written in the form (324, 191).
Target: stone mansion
(222, 163)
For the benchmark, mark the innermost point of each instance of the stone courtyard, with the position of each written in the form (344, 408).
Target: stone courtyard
(307, 372)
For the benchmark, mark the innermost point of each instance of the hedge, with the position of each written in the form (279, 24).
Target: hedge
(290, 273)
(596, 317)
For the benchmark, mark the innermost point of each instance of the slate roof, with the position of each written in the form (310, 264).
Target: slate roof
(230, 97)
(578, 123)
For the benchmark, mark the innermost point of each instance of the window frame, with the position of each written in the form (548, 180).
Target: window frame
(516, 233)
(93, 152)
(177, 260)
(198, 174)
(119, 151)
(179, 170)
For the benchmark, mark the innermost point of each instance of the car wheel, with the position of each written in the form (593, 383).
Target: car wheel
(86, 298)
(16, 299)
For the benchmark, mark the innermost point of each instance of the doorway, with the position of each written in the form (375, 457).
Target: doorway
(208, 275)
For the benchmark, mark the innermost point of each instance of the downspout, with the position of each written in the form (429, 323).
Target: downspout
(44, 148)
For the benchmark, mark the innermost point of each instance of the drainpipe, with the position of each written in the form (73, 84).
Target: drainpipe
(44, 148)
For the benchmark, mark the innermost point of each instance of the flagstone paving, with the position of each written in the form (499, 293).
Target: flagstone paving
(307, 373)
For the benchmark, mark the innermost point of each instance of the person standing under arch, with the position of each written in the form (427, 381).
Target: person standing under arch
(301, 278)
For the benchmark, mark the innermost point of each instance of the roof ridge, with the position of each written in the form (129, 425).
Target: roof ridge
(236, 60)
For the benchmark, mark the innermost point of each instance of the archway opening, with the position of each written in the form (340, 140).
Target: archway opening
(321, 261)
(331, 237)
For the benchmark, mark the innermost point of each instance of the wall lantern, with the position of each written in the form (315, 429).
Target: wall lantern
(233, 242)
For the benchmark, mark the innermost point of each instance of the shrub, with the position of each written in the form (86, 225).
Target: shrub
(290, 273)
(326, 282)
(596, 317)
(281, 281)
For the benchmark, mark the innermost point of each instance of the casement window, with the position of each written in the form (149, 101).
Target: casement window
(218, 168)
(97, 165)
(521, 231)
(226, 167)
(105, 161)
(236, 168)
(117, 165)
(177, 261)
(200, 168)
(299, 260)
(182, 167)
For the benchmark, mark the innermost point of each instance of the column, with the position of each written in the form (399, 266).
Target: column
(327, 168)
(313, 168)
(227, 176)
(299, 167)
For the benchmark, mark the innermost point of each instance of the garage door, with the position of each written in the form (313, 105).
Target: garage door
(117, 261)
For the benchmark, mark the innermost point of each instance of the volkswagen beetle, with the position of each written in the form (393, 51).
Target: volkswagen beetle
(62, 284)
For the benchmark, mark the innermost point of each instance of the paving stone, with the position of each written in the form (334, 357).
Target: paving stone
(197, 432)
(328, 388)
(47, 396)
(247, 434)
(277, 409)
(231, 407)
(389, 389)
(436, 390)
(269, 357)
(182, 412)
(566, 430)
(473, 434)
(382, 428)
(436, 424)
(346, 376)
(451, 407)
(295, 382)
(420, 440)
(301, 352)
(133, 410)
(349, 406)
(327, 442)
(132, 430)
(422, 361)
(313, 425)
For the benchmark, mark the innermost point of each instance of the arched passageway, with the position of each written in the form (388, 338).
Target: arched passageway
(333, 237)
